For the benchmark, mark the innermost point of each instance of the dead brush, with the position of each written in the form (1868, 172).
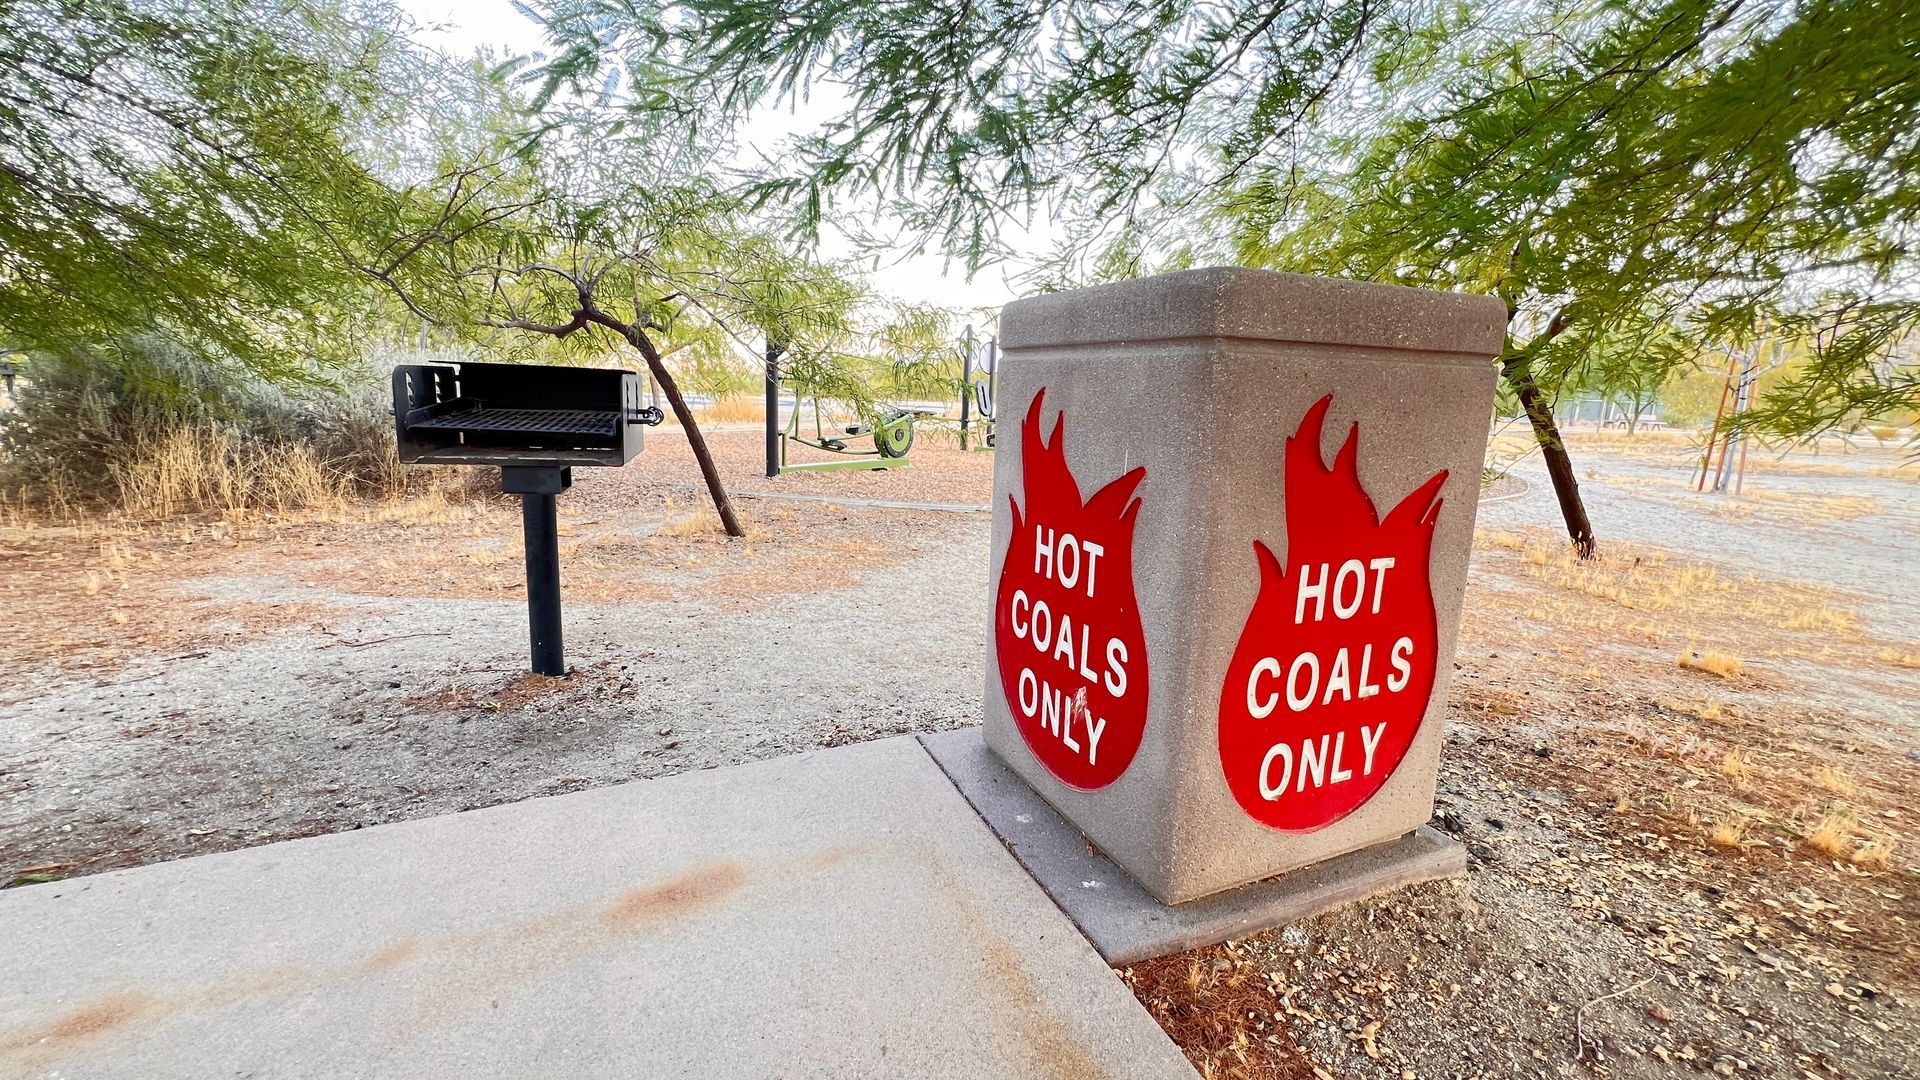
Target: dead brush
(1729, 834)
(1710, 662)
(700, 522)
(1671, 590)
(1873, 855)
(1906, 658)
(731, 409)
(1826, 619)
(200, 469)
(1831, 835)
(1498, 539)
(1828, 778)
(1738, 767)
(1223, 1010)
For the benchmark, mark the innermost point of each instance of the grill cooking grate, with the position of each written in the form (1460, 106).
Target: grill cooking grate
(529, 421)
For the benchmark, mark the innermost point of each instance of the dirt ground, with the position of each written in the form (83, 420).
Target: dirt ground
(1706, 868)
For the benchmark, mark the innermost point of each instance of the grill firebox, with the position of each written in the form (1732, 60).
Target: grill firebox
(535, 422)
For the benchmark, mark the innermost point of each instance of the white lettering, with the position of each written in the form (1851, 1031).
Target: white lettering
(1094, 551)
(1116, 664)
(1297, 701)
(1309, 589)
(1019, 598)
(1268, 791)
(1029, 704)
(1341, 679)
(1380, 567)
(1066, 580)
(1402, 671)
(1041, 638)
(1369, 742)
(1366, 689)
(1312, 758)
(1042, 550)
(1094, 728)
(1257, 708)
(1064, 642)
(1340, 744)
(1351, 570)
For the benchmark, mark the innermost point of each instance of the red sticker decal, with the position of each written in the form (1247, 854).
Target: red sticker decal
(1330, 680)
(1073, 660)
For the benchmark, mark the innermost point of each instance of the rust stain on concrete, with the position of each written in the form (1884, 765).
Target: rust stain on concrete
(503, 954)
(390, 957)
(697, 888)
(97, 1017)
(1032, 1028)
(831, 857)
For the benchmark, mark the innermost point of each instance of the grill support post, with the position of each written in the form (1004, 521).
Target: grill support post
(538, 487)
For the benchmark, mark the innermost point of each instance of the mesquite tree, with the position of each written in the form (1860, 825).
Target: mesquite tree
(589, 250)
(1651, 177)
(189, 168)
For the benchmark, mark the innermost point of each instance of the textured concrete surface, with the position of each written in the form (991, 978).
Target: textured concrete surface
(837, 913)
(1200, 377)
(1125, 923)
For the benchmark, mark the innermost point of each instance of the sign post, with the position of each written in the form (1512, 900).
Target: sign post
(1230, 543)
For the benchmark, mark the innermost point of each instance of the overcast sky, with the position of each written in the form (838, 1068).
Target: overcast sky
(464, 27)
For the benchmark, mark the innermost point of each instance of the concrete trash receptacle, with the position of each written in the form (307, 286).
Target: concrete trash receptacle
(1230, 541)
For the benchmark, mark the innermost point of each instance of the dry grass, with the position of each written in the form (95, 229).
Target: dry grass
(1831, 836)
(1836, 834)
(701, 521)
(1731, 835)
(1873, 855)
(1738, 767)
(1828, 778)
(1825, 619)
(1906, 658)
(1713, 663)
(1498, 539)
(740, 409)
(199, 470)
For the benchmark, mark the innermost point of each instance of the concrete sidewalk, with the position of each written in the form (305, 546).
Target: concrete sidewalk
(837, 913)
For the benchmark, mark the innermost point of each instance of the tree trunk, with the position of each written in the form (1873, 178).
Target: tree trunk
(1517, 368)
(722, 502)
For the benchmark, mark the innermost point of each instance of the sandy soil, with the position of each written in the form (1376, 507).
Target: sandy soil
(1636, 829)
(1671, 871)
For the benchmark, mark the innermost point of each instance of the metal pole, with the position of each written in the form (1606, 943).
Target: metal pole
(1706, 463)
(773, 408)
(966, 384)
(541, 525)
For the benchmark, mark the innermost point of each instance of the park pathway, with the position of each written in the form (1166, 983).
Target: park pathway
(833, 913)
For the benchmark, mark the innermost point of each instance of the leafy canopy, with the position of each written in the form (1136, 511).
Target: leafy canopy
(1640, 182)
(188, 167)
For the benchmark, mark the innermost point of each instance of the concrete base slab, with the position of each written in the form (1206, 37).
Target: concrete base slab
(837, 913)
(1125, 923)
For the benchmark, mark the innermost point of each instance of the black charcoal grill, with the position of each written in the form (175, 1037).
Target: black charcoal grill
(536, 422)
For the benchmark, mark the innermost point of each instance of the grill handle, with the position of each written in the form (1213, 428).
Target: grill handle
(650, 416)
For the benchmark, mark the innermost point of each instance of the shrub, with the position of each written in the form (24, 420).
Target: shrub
(153, 427)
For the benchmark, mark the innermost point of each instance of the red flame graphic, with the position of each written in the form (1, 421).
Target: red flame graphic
(1330, 681)
(1073, 659)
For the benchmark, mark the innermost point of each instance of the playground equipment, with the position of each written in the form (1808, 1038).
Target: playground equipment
(1744, 368)
(979, 372)
(889, 435)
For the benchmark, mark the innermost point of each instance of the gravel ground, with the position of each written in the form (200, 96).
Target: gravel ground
(169, 695)
(403, 706)
(1834, 520)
